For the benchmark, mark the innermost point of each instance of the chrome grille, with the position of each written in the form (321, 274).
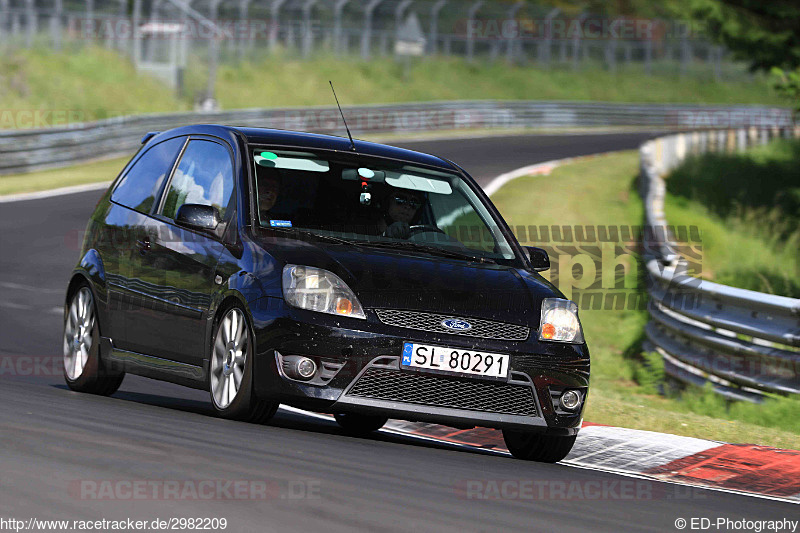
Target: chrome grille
(487, 396)
(485, 329)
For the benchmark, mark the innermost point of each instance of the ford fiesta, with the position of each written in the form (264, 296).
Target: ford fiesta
(351, 278)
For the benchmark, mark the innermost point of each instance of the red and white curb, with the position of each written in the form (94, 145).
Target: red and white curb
(749, 469)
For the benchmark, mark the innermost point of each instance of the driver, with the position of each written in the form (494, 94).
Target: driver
(401, 207)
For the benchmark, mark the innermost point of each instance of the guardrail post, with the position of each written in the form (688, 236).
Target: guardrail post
(15, 24)
(88, 29)
(512, 40)
(118, 37)
(648, 52)
(30, 23)
(308, 36)
(718, 53)
(545, 52)
(337, 26)
(3, 19)
(576, 41)
(274, 12)
(685, 55)
(366, 34)
(213, 48)
(473, 10)
(433, 35)
(136, 53)
(155, 9)
(245, 32)
(611, 46)
(55, 24)
(399, 11)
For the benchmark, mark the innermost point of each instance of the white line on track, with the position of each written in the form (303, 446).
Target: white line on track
(61, 191)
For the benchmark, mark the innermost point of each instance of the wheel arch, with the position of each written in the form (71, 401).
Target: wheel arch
(227, 300)
(91, 272)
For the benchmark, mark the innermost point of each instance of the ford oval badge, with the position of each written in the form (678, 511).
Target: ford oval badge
(456, 324)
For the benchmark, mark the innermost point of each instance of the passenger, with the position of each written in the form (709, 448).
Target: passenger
(269, 188)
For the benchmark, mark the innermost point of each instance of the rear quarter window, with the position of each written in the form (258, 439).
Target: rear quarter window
(140, 187)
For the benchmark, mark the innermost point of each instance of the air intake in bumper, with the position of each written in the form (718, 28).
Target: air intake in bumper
(408, 387)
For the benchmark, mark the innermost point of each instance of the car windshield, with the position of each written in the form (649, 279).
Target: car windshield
(375, 202)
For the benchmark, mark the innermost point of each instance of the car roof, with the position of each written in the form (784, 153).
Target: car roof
(310, 140)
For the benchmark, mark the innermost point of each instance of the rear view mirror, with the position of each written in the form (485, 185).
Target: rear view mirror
(198, 216)
(538, 257)
(363, 174)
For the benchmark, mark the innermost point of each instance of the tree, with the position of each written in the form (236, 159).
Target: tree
(766, 33)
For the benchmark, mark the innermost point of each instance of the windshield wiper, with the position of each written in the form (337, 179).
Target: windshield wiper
(325, 238)
(435, 250)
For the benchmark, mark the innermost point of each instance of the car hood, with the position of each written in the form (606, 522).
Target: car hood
(399, 279)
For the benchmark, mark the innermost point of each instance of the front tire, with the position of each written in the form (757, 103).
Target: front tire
(538, 447)
(357, 424)
(231, 371)
(84, 371)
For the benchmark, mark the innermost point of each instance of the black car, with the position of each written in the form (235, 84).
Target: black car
(351, 278)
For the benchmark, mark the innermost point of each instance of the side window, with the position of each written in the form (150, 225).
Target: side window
(204, 176)
(140, 187)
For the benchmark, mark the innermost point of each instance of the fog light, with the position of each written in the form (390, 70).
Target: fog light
(306, 368)
(570, 400)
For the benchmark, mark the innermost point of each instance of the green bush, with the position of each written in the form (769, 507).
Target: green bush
(747, 207)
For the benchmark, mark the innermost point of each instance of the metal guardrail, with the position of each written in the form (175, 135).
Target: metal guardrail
(29, 150)
(743, 342)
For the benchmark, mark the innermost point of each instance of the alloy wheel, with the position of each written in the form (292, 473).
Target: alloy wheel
(78, 333)
(231, 347)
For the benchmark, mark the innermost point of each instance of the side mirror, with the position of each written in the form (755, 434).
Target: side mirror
(198, 216)
(538, 257)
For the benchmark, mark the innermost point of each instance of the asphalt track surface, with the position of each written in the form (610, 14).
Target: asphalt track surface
(59, 448)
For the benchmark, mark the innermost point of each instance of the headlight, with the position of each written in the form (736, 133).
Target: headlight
(319, 290)
(560, 321)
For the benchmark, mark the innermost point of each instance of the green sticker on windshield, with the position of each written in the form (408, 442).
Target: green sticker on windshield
(269, 155)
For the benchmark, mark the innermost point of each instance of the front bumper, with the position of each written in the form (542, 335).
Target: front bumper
(356, 351)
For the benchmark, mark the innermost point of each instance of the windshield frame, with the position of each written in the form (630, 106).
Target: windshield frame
(360, 159)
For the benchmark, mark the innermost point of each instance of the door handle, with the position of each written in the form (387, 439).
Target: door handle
(144, 245)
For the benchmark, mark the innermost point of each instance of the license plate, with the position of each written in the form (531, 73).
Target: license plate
(455, 360)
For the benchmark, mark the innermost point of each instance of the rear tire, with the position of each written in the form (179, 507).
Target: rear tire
(84, 371)
(358, 424)
(538, 447)
(230, 376)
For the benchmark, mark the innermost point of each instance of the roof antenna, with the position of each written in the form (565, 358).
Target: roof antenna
(352, 144)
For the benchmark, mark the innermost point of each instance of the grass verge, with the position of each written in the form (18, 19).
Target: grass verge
(601, 192)
(747, 208)
(94, 172)
(305, 82)
(93, 83)
(43, 88)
